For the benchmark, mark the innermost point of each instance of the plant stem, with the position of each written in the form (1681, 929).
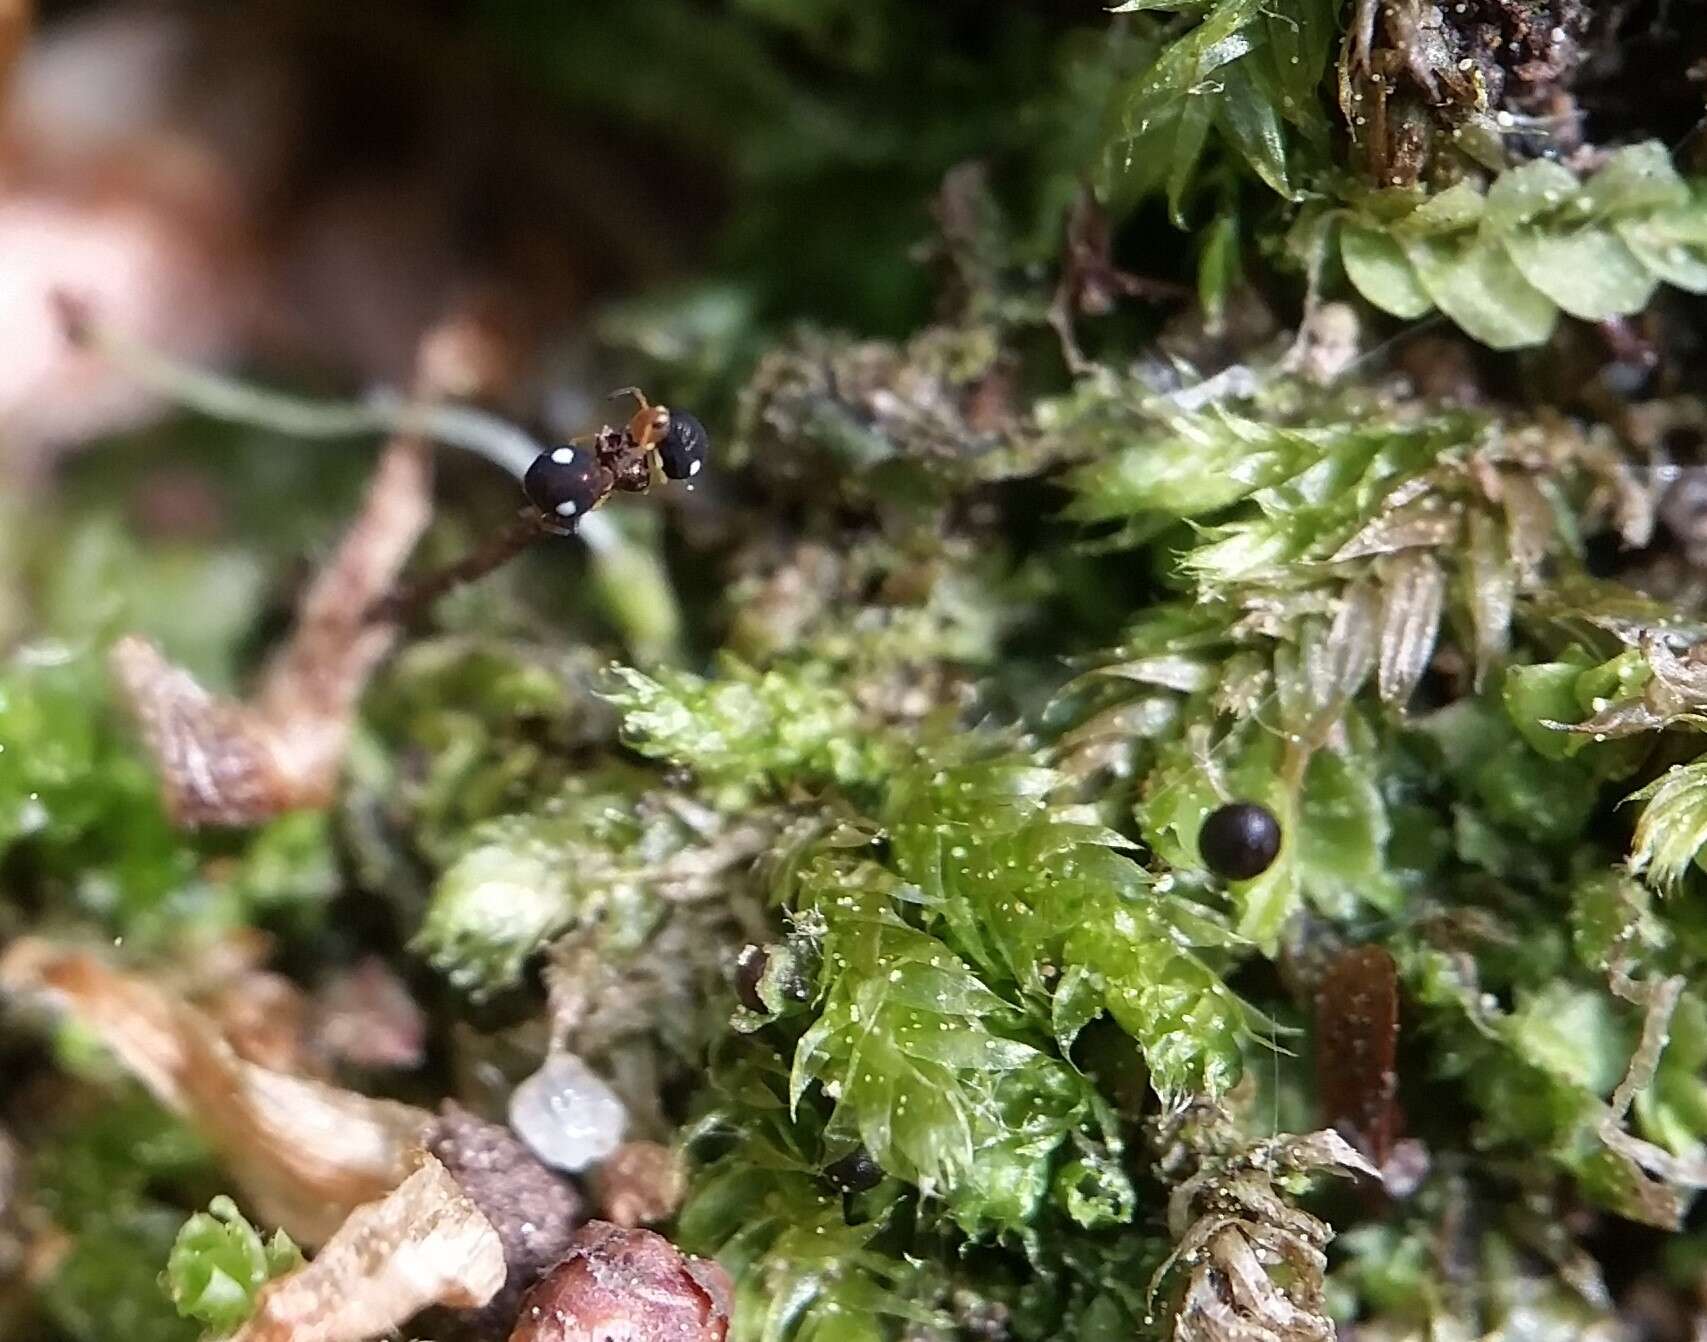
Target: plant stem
(500, 547)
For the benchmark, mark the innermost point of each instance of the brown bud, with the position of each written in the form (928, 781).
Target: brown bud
(632, 1284)
(1357, 1033)
(640, 1184)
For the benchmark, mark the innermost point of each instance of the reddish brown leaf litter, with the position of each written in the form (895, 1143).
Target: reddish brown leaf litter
(631, 1284)
(1357, 1033)
(642, 1183)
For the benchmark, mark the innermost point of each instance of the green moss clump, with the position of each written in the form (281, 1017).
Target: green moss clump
(218, 1263)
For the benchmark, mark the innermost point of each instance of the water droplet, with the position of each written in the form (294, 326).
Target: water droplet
(567, 1115)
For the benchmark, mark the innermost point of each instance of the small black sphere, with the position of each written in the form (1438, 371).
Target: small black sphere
(854, 1172)
(565, 483)
(685, 447)
(1239, 840)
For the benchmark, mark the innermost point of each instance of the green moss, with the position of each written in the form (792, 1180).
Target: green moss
(219, 1262)
(81, 812)
(1504, 263)
(110, 1283)
(746, 732)
(102, 1178)
(582, 858)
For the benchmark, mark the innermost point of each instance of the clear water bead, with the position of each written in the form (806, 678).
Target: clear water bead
(567, 1115)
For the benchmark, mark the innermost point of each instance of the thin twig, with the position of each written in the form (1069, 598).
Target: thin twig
(501, 547)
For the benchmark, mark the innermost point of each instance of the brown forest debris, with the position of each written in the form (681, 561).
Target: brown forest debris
(1487, 79)
(303, 1153)
(229, 763)
(1257, 1266)
(1357, 1032)
(425, 1243)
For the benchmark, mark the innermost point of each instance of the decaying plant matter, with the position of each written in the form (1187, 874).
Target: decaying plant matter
(303, 1153)
(240, 763)
(424, 1243)
(1254, 1265)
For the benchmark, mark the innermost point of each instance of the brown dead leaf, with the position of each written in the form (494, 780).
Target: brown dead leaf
(303, 1153)
(425, 1243)
(1682, 674)
(228, 763)
(1357, 1031)
(1235, 1224)
(1676, 693)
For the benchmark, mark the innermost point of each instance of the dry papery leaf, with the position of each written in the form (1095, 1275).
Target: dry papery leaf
(425, 1243)
(301, 1152)
(1232, 1225)
(228, 763)
(1677, 693)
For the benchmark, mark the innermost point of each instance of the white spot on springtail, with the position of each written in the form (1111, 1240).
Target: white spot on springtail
(563, 455)
(568, 508)
(693, 469)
